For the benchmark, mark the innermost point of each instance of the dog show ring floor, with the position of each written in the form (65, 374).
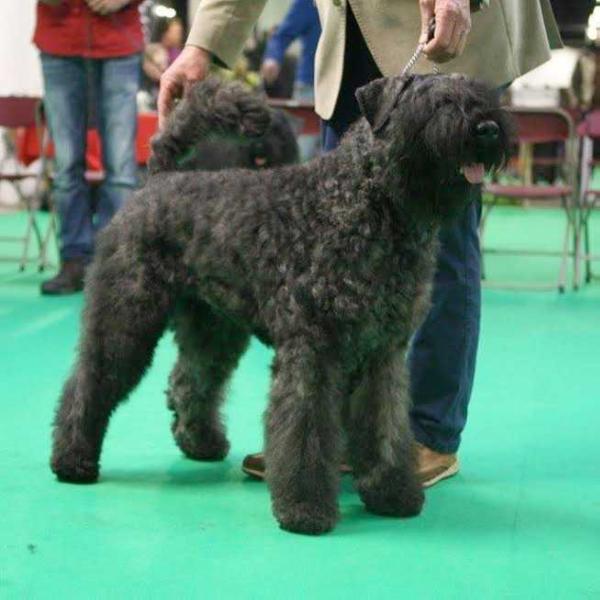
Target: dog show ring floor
(521, 519)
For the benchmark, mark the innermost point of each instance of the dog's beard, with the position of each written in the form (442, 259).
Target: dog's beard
(439, 192)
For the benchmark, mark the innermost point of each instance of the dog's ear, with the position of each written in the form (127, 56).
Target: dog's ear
(369, 98)
(164, 153)
(378, 98)
(255, 121)
(237, 109)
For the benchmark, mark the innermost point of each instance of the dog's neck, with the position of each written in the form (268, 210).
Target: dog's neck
(372, 189)
(373, 162)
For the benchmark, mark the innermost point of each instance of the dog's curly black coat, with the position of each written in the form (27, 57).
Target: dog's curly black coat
(331, 262)
(219, 126)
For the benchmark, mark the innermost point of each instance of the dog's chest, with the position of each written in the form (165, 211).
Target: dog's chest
(394, 299)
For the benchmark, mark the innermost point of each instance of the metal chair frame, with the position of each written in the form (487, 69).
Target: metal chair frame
(589, 199)
(18, 112)
(526, 141)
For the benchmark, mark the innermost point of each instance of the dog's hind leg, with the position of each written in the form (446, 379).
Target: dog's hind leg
(210, 347)
(127, 310)
(380, 442)
(303, 434)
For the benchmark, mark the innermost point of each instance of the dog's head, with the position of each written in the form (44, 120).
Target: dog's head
(441, 134)
(221, 125)
(275, 146)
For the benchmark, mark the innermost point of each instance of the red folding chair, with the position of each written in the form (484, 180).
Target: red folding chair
(303, 112)
(30, 150)
(589, 198)
(540, 126)
(17, 112)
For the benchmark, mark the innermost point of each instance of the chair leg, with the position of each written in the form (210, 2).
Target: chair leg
(45, 178)
(586, 248)
(562, 276)
(576, 256)
(26, 243)
(32, 228)
(50, 234)
(574, 217)
(585, 203)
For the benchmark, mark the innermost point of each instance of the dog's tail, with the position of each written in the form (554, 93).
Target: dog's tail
(212, 109)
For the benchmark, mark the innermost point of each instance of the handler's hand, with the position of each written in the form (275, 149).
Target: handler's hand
(269, 70)
(452, 26)
(106, 7)
(188, 68)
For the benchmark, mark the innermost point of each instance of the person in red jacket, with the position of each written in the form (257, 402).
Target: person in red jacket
(89, 49)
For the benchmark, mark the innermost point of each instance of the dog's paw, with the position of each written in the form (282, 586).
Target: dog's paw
(307, 518)
(206, 446)
(74, 468)
(394, 498)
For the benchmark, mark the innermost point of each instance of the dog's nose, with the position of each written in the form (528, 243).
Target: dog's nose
(487, 131)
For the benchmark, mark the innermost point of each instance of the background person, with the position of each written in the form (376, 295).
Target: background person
(301, 22)
(358, 44)
(169, 34)
(88, 48)
(165, 46)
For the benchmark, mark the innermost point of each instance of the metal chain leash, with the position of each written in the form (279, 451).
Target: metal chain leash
(410, 65)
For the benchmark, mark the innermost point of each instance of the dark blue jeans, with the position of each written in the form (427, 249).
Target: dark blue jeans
(444, 350)
(69, 83)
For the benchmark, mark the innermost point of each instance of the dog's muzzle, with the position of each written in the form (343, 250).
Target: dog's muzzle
(487, 133)
(487, 136)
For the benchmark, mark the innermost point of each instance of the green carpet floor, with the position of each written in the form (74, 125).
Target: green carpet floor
(521, 520)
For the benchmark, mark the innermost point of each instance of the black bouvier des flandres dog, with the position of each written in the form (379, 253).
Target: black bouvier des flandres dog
(330, 262)
(219, 126)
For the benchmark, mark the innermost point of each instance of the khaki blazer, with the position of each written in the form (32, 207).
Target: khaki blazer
(507, 39)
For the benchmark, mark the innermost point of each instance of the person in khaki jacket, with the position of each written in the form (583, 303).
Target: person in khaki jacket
(363, 40)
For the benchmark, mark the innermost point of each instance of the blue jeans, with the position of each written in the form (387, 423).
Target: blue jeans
(444, 349)
(70, 83)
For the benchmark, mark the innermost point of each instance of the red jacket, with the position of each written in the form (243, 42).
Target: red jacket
(73, 29)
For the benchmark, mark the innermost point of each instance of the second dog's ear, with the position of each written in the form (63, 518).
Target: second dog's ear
(254, 117)
(255, 123)
(377, 99)
(164, 153)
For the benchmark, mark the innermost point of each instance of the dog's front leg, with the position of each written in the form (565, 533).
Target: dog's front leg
(303, 438)
(380, 441)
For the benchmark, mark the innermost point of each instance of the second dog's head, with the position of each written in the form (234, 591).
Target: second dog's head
(441, 133)
(275, 146)
(221, 125)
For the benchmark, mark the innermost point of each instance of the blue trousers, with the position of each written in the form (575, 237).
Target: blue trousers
(444, 350)
(69, 83)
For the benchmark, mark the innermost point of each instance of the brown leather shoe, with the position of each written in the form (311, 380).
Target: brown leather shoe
(254, 465)
(68, 281)
(434, 466)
